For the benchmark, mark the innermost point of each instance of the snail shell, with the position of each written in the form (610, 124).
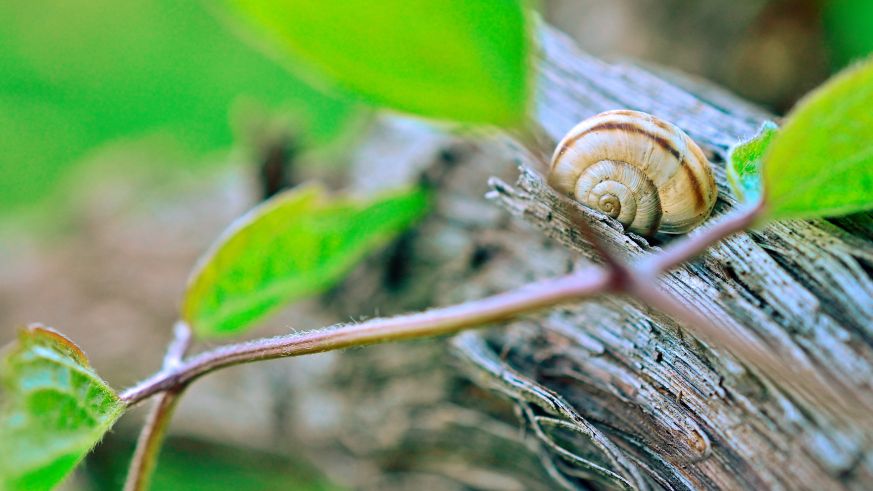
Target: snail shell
(644, 172)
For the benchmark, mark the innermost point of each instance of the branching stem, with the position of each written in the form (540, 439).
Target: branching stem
(148, 445)
(639, 280)
(448, 320)
(435, 322)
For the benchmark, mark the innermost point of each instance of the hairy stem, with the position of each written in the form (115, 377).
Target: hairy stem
(638, 280)
(148, 445)
(435, 322)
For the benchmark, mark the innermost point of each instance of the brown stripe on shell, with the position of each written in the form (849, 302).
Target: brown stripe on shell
(610, 126)
(660, 123)
(624, 112)
(707, 172)
(696, 190)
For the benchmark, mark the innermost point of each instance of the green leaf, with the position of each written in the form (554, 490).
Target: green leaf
(464, 60)
(821, 163)
(744, 163)
(79, 74)
(54, 410)
(296, 244)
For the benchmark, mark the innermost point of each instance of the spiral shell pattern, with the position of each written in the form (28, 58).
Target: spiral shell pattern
(642, 171)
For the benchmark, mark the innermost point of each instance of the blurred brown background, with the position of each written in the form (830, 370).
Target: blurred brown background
(770, 52)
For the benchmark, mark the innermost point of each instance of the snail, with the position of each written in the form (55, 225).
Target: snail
(643, 171)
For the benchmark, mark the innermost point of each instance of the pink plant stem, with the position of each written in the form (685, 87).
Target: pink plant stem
(692, 246)
(435, 322)
(639, 280)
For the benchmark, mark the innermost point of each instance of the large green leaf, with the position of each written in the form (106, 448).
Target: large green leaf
(54, 409)
(744, 163)
(79, 73)
(296, 244)
(464, 60)
(821, 162)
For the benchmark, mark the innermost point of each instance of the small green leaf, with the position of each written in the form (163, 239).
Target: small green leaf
(296, 244)
(465, 60)
(821, 163)
(744, 163)
(54, 409)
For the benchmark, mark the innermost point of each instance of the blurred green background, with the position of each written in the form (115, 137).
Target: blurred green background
(77, 75)
(132, 132)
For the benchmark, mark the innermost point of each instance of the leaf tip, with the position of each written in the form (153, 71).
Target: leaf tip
(41, 334)
(744, 166)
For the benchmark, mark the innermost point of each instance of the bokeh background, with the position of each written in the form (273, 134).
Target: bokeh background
(132, 133)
